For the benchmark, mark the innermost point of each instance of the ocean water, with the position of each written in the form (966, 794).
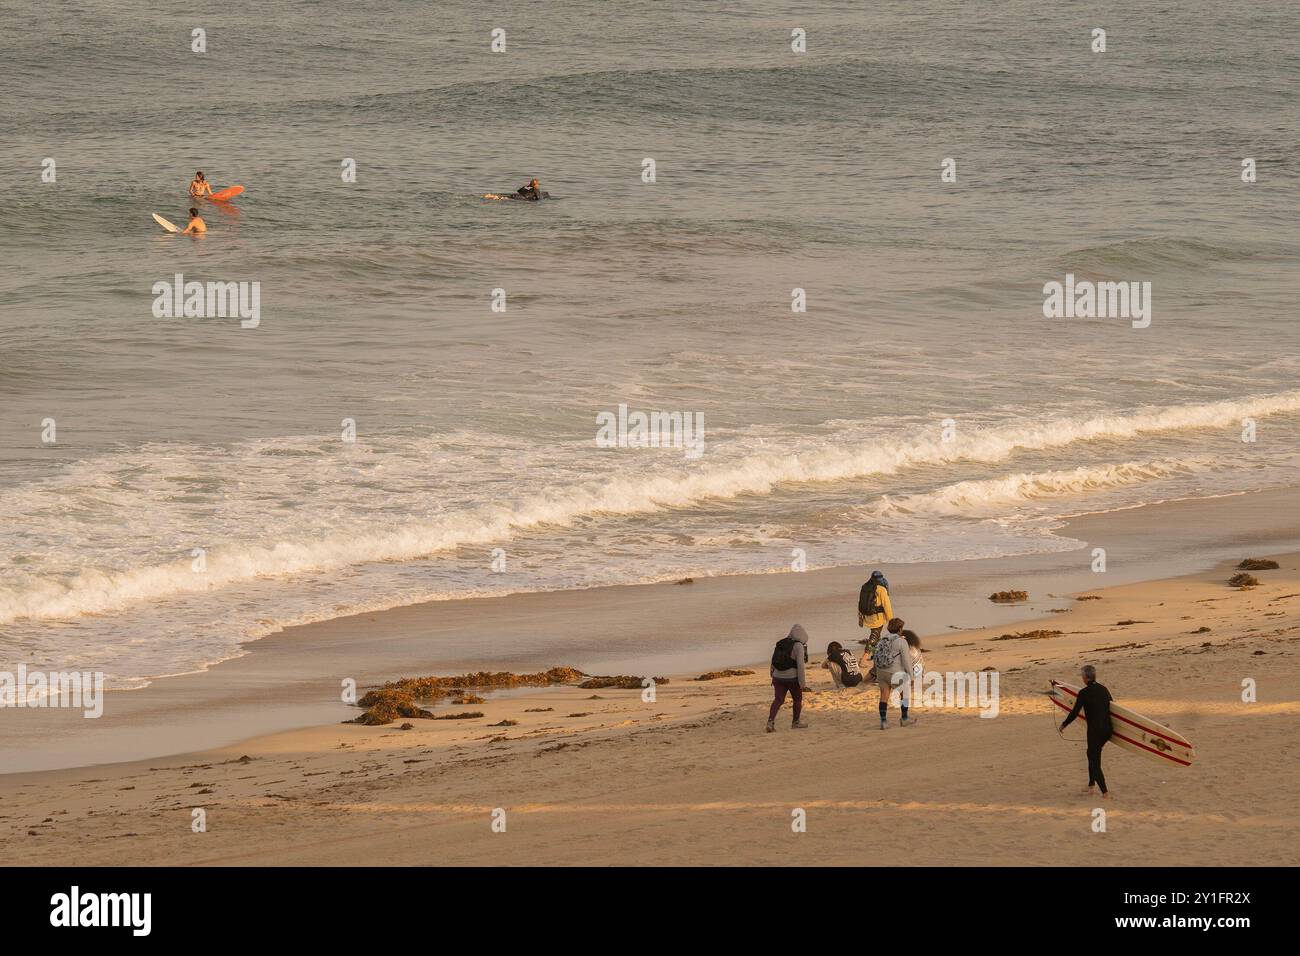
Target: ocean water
(824, 431)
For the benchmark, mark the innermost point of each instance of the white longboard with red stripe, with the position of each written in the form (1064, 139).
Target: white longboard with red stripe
(1131, 730)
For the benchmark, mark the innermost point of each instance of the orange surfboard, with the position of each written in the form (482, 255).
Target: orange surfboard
(228, 193)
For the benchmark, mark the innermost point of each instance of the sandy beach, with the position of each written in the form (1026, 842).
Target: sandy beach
(476, 440)
(605, 776)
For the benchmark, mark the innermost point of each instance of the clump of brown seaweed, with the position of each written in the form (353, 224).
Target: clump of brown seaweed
(1008, 597)
(1258, 564)
(714, 675)
(622, 681)
(1029, 636)
(398, 698)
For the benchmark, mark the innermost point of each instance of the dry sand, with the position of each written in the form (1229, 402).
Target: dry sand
(603, 777)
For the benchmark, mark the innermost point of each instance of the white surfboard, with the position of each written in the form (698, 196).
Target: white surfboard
(170, 227)
(1131, 730)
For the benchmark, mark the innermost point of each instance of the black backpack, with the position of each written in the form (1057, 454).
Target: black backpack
(783, 654)
(868, 600)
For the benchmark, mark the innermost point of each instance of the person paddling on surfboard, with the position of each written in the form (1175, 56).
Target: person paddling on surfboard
(530, 193)
(1094, 700)
(197, 226)
(200, 186)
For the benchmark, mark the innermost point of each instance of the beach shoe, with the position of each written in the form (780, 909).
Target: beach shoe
(884, 725)
(908, 722)
(771, 726)
(798, 725)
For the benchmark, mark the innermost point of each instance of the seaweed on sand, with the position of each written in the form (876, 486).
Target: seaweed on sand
(398, 698)
(714, 675)
(1258, 564)
(622, 681)
(1029, 636)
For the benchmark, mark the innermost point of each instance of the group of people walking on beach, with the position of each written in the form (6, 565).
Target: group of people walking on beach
(894, 653)
(895, 656)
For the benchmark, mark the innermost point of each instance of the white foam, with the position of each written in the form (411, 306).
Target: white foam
(972, 498)
(738, 471)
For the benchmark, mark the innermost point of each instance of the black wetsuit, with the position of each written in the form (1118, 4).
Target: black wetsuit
(531, 193)
(1094, 699)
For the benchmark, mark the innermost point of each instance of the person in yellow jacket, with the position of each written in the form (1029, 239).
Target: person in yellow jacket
(874, 609)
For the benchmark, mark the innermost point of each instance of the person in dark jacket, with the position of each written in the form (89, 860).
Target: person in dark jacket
(530, 193)
(533, 191)
(847, 673)
(789, 675)
(1094, 700)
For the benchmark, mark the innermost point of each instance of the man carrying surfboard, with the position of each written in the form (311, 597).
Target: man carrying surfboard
(1094, 700)
(200, 186)
(196, 226)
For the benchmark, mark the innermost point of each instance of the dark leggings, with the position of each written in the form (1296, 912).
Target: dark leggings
(1094, 762)
(781, 687)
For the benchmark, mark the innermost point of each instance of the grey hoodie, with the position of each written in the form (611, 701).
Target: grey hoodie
(900, 657)
(800, 652)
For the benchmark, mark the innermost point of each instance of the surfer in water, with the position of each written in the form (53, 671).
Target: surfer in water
(1094, 700)
(197, 226)
(530, 193)
(200, 186)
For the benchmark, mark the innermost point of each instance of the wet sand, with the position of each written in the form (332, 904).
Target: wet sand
(605, 776)
(293, 679)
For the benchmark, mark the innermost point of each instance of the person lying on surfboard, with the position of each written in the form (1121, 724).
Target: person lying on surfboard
(200, 186)
(197, 226)
(1094, 699)
(531, 193)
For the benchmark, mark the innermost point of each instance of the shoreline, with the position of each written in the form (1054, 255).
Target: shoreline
(291, 679)
(690, 776)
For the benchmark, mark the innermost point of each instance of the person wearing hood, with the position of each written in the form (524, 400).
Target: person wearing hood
(788, 676)
(874, 609)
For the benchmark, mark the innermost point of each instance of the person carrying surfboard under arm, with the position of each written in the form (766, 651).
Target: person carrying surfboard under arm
(200, 186)
(1094, 700)
(197, 226)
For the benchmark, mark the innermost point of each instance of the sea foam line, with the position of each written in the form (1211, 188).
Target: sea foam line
(98, 591)
(971, 497)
